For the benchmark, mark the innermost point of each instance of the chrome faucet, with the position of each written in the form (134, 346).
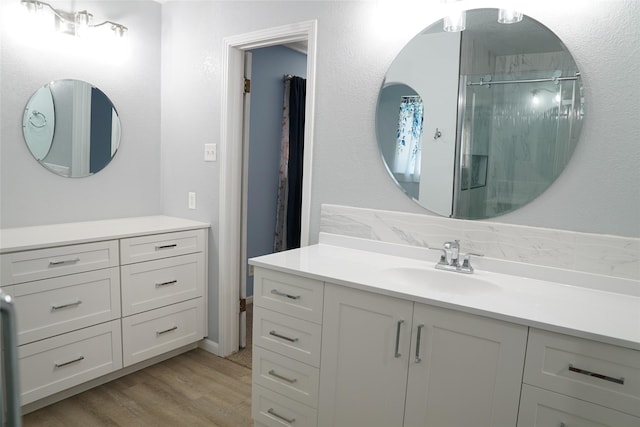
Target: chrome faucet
(450, 258)
(454, 247)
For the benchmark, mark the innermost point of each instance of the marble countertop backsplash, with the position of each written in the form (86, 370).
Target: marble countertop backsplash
(605, 255)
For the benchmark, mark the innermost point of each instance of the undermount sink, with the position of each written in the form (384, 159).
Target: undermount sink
(438, 280)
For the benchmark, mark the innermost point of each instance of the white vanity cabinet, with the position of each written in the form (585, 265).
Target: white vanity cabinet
(287, 327)
(387, 361)
(573, 381)
(93, 298)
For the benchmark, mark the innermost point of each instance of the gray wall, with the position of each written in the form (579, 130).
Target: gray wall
(130, 77)
(268, 67)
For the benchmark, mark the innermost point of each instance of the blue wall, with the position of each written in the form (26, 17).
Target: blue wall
(269, 65)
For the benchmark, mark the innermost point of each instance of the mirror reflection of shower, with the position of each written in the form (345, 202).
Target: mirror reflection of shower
(502, 114)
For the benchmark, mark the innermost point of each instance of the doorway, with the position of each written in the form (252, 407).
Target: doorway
(271, 183)
(231, 166)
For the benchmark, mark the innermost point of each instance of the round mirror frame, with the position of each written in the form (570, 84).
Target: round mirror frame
(71, 128)
(462, 165)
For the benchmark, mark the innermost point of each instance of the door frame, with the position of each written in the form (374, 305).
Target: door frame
(231, 157)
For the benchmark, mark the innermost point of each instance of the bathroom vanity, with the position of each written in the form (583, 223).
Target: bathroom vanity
(96, 300)
(351, 337)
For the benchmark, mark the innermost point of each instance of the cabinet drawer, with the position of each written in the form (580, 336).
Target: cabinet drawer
(54, 306)
(157, 331)
(543, 408)
(271, 409)
(294, 338)
(286, 376)
(292, 295)
(20, 267)
(154, 284)
(157, 246)
(57, 363)
(596, 372)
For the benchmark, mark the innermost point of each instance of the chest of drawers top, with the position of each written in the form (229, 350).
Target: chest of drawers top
(46, 236)
(41, 252)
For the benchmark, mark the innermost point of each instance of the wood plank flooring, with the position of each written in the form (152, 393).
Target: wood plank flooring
(196, 388)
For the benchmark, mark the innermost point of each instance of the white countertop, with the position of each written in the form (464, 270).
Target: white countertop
(35, 237)
(587, 312)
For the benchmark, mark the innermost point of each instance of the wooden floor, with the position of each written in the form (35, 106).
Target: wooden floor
(196, 388)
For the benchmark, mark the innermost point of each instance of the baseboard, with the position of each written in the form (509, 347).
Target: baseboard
(210, 346)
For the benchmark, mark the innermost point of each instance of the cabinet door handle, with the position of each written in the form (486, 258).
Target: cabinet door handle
(158, 333)
(71, 304)
(171, 282)
(418, 335)
(282, 377)
(60, 365)
(171, 246)
(398, 326)
(277, 335)
(271, 411)
(63, 262)
(282, 294)
(596, 375)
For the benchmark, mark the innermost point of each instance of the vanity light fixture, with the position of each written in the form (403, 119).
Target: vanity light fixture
(74, 23)
(456, 20)
(509, 16)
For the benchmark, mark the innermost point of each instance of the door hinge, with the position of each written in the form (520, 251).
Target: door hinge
(247, 86)
(243, 305)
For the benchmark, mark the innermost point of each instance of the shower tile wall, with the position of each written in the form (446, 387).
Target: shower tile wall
(607, 255)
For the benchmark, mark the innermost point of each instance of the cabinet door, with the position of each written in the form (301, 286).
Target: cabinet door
(364, 359)
(465, 370)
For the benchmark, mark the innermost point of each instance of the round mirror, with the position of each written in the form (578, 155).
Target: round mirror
(71, 128)
(476, 123)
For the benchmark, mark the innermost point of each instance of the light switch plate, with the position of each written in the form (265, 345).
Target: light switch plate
(192, 200)
(210, 152)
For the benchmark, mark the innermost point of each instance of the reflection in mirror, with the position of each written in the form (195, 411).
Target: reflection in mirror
(71, 128)
(501, 112)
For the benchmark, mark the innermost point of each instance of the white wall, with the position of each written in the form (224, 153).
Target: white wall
(599, 192)
(129, 76)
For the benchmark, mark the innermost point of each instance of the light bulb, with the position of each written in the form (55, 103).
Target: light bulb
(455, 22)
(509, 16)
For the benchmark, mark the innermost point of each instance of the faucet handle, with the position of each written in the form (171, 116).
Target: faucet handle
(443, 255)
(466, 262)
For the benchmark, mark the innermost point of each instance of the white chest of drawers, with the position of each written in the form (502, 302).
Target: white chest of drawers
(92, 298)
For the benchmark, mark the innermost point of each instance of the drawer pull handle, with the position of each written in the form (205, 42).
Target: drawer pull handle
(71, 304)
(63, 262)
(277, 335)
(161, 247)
(282, 294)
(419, 334)
(166, 331)
(281, 377)
(171, 282)
(60, 365)
(397, 351)
(596, 375)
(271, 411)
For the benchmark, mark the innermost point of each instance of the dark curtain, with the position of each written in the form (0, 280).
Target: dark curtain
(297, 96)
